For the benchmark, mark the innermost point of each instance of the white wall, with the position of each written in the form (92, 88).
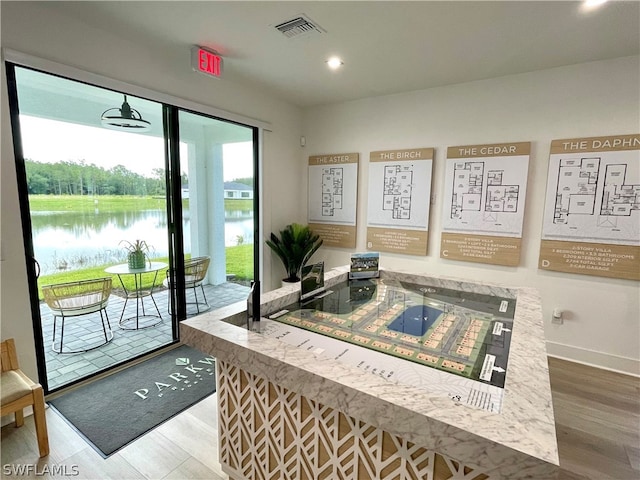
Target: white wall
(36, 30)
(601, 98)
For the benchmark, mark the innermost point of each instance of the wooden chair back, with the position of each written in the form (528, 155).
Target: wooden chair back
(8, 355)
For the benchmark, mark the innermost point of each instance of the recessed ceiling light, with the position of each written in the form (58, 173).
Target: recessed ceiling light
(591, 4)
(334, 63)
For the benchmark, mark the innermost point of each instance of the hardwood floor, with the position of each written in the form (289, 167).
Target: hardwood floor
(184, 447)
(597, 421)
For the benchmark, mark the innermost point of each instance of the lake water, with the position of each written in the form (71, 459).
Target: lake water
(72, 240)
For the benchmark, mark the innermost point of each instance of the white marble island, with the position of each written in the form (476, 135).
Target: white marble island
(289, 413)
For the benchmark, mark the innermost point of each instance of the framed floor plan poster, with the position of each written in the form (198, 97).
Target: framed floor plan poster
(592, 207)
(485, 189)
(333, 197)
(399, 198)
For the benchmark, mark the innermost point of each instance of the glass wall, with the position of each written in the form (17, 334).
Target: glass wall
(217, 171)
(92, 191)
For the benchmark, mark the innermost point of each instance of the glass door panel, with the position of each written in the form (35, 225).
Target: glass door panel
(217, 163)
(92, 192)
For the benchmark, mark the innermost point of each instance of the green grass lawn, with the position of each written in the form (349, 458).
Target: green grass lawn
(113, 203)
(79, 203)
(239, 263)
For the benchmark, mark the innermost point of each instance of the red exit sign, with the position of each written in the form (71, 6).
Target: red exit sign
(205, 61)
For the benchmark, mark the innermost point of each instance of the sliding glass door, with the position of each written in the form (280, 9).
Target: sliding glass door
(218, 210)
(101, 171)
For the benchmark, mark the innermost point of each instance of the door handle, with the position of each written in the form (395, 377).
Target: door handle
(36, 267)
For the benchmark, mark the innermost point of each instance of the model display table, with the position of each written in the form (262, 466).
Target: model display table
(297, 403)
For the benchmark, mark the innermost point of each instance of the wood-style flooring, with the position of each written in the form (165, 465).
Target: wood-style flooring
(185, 447)
(597, 420)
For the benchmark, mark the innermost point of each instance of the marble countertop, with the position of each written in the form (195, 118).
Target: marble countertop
(518, 443)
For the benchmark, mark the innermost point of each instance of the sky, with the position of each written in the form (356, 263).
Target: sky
(50, 141)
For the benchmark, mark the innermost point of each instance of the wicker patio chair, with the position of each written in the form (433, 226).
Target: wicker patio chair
(18, 391)
(74, 299)
(195, 271)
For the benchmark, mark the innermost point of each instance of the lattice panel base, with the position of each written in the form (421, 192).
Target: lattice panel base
(269, 432)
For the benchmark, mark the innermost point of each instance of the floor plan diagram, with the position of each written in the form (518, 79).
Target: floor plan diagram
(332, 187)
(577, 191)
(576, 188)
(468, 191)
(499, 198)
(593, 197)
(467, 187)
(399, 191)
(398, 183)
(618, 198)
(485, 195)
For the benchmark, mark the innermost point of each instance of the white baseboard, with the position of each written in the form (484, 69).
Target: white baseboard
(607, 361)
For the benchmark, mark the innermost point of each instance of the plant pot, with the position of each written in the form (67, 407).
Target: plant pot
(136, 260)
(286, 283)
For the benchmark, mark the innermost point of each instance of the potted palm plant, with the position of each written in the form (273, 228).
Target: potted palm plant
(295, 246)
(136, 253)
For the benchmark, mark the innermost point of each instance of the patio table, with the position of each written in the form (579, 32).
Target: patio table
(139, 293)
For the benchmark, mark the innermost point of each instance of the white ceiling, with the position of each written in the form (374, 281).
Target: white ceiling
(387, 47)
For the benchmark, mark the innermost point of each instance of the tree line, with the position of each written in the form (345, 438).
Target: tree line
(80, 178)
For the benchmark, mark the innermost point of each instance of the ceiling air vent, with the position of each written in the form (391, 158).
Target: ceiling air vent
(298, 26)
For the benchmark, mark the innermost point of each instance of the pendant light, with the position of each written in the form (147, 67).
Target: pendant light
(127, 120)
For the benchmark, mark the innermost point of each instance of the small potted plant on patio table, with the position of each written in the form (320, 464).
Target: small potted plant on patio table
(137, 253)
